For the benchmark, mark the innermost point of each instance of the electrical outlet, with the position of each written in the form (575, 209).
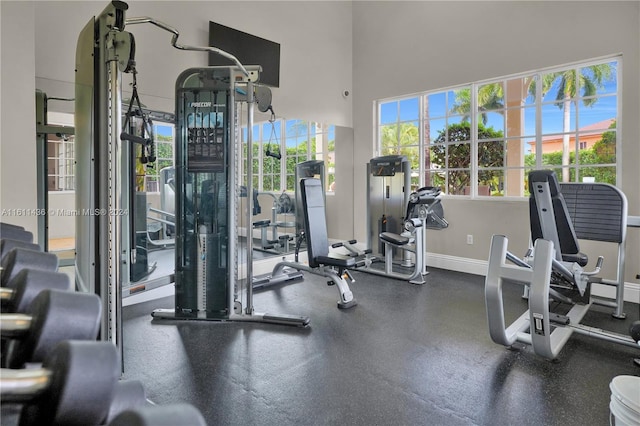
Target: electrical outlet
(469, 239)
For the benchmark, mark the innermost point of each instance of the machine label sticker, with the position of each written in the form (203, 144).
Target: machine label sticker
(538, 325)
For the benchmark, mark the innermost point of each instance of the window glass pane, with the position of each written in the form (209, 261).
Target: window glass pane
(436, 179)
(409, 109)
(388, 112)
(457, 132)
(409, 133)
(459, 182)
(491, 97)
(459, 155)
(599, 79)
(521, 122)
(413, 155)
(553, 117)
(491, 125)
(597, 113)
(491, 154)
(598, 174)
(490, 182)
(436, 105)
(553, 85)
(460, 102)
(436, 128)
(520, 91)
(437, 157)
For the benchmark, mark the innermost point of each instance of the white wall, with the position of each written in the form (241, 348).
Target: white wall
(38, 51)
(17, 114)
(315, 39)
(407, 47)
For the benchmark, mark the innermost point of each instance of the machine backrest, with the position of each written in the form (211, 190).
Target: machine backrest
(557, 228)
(598, 211)
(315, 220)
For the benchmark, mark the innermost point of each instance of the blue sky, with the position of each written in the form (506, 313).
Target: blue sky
(605, 107)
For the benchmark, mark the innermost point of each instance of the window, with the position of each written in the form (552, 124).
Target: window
(482, 139)
(60, 162)
(400, 132)
(148, 174)
(295, 141)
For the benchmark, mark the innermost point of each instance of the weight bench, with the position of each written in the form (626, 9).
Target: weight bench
(321, 262)
(553, 232)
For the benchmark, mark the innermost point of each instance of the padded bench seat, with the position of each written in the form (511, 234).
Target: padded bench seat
(340, 262)
(395, 239)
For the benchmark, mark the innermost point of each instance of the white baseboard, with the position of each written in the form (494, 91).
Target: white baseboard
(479, 267)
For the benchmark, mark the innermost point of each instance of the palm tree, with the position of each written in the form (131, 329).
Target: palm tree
(490, 97)
(589, 81)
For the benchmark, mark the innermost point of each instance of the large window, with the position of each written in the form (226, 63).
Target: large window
(294, 141)
(483, 138)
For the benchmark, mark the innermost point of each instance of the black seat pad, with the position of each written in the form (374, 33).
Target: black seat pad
(395, 239)
(341, 262)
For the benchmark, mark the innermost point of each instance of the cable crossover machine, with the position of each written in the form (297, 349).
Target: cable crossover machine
(210, 280)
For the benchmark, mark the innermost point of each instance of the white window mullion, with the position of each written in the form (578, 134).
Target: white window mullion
(538, 95)
(474, 141)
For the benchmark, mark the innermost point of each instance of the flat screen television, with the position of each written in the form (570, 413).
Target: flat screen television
(249, 49)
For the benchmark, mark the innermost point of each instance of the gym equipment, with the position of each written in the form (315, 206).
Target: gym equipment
(554, 261)
(15, 232)
(321, 262)
(6, 245)
(207, 283)
(307, 169)
(598, 212)
(18, 259)
(421, 208)
(22, 289)
(210, 284)
(75, 385)
(389, 184)
(165, 215)
(52, 317)
(156, 415)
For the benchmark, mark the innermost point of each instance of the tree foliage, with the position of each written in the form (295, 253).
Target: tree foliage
(452, 150)
(602, 155)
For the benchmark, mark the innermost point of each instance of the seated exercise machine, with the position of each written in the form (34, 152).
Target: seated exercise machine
(553, 270)
(321, 262)
(282, 205)
(421, 208)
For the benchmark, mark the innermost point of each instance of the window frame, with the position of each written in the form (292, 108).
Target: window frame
(536, 106)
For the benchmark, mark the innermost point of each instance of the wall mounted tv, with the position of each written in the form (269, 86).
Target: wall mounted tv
(249, 49)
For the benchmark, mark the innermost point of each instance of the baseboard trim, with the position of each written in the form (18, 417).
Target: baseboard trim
(479, 267)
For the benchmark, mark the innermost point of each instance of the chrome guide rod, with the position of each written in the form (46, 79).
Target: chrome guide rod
(249, 212)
